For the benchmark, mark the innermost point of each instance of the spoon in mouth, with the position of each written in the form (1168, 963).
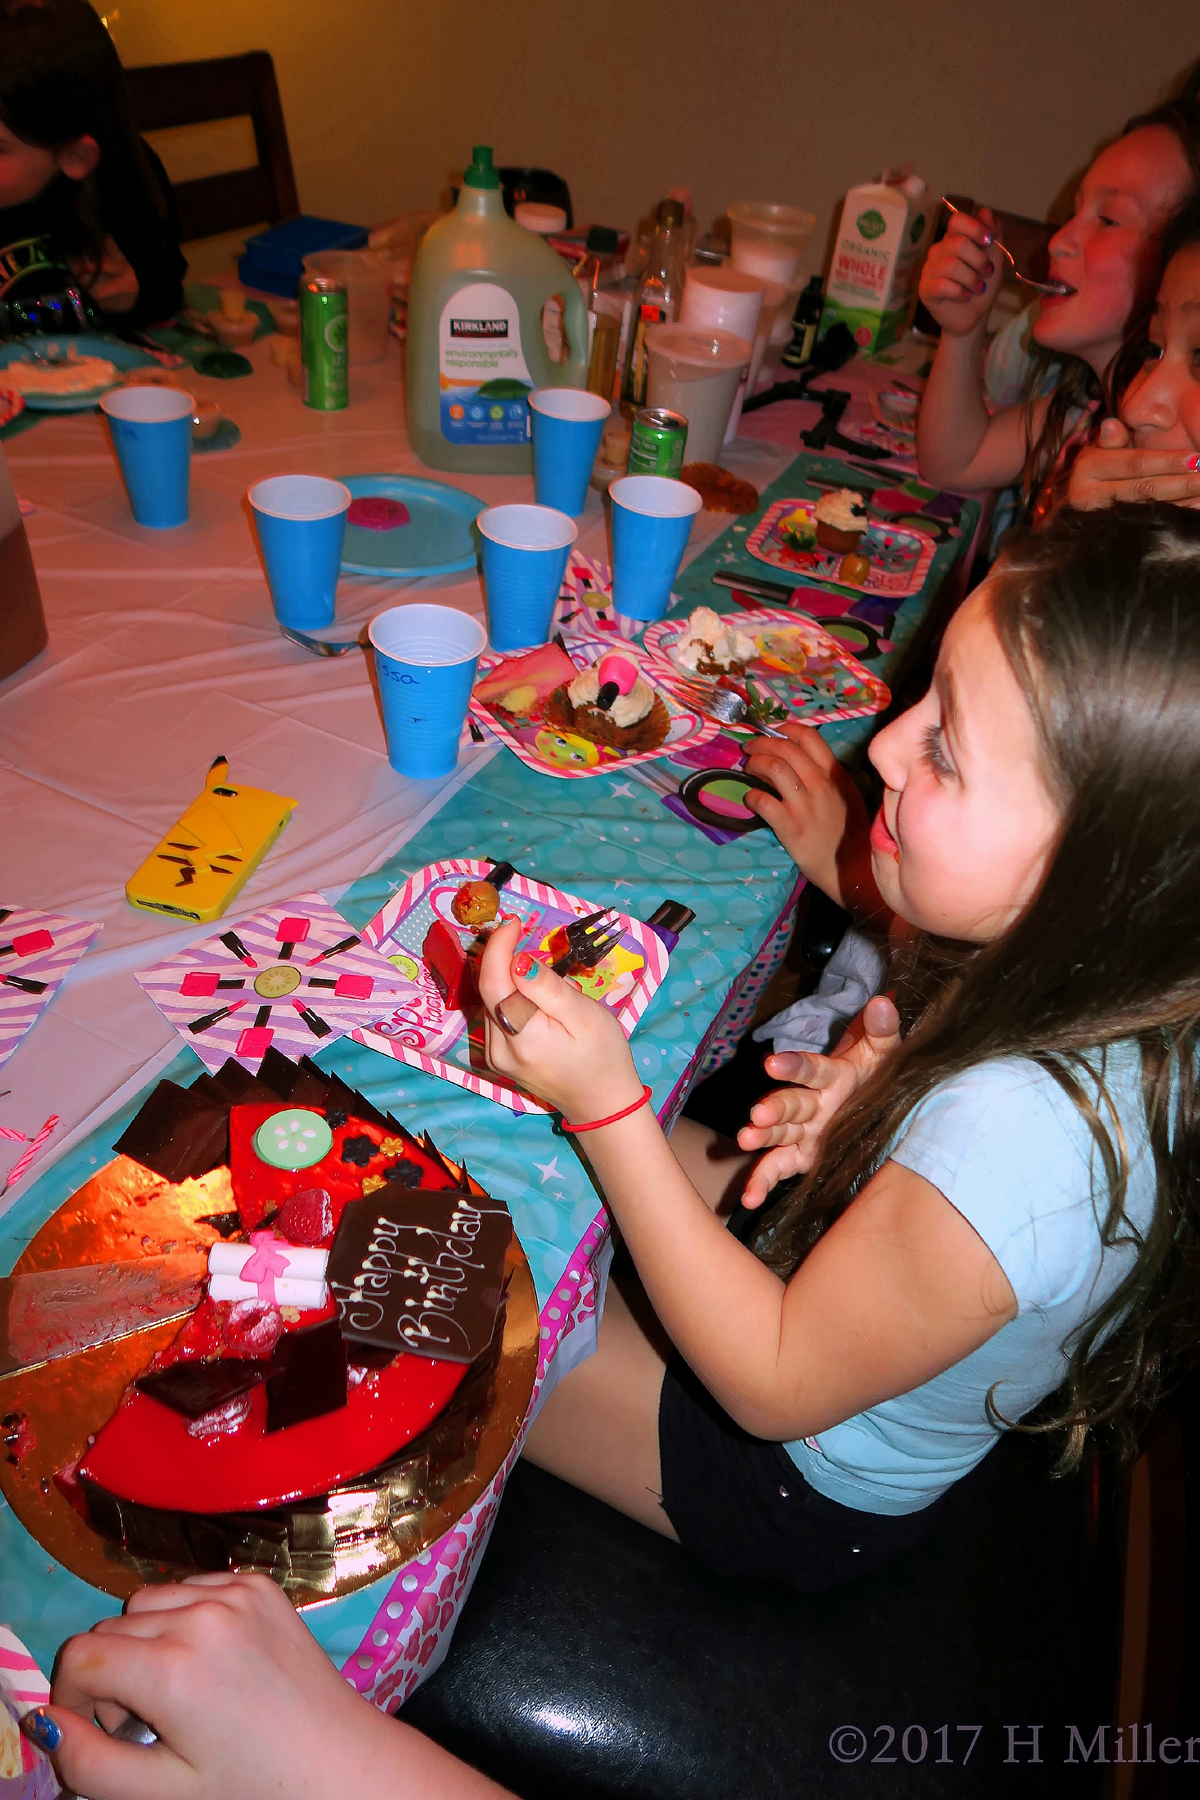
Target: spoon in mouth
(1058, 288)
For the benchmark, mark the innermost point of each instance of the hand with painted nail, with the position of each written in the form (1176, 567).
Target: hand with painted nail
(789, 1123)
(819, 817)
(244, 1702)
(571, 1051)
(962, 274)
(1113, 469)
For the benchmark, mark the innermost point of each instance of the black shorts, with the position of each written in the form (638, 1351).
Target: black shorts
(741, 1506)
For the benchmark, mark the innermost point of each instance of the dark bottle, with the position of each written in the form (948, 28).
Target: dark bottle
(805, 320)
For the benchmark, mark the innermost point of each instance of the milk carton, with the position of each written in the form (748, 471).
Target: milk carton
(884, 233)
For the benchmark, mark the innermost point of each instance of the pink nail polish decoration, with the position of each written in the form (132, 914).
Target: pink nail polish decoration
(618, 669)
(1193, 462)
(523, 962)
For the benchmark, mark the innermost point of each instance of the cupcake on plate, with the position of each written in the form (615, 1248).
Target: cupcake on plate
(610, 704)
(841, 518)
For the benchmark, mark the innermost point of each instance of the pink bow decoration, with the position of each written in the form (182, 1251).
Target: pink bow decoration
(267, 1261)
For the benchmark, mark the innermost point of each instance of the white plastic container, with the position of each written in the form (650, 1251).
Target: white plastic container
(726, 299)
(696, 371)
(769, 239)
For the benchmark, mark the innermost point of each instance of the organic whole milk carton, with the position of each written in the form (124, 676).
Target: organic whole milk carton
(884, 233)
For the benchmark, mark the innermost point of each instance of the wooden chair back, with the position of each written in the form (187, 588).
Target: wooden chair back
(223, 87)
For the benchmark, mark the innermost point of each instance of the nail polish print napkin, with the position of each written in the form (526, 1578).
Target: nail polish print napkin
(292, 977)
(36, 950)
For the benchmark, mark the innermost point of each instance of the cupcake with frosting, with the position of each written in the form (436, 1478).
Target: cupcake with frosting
(841, 519)
(610, 703)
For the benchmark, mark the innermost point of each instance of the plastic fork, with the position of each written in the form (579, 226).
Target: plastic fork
(590, 939)
(1039, 287)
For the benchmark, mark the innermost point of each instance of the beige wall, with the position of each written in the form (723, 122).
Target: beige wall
(784, 100)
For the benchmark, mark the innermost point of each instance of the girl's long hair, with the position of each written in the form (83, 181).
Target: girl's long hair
(1046, 472)
(1099, 616)
(61, 79)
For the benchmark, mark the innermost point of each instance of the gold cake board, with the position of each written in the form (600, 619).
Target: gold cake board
(370, 1529)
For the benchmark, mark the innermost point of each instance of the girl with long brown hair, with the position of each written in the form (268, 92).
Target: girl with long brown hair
(1008, 1209)
(980, 428)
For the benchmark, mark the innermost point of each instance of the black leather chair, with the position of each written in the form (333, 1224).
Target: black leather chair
(596, 1660)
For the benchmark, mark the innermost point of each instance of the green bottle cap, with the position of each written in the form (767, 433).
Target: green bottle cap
(481, 173)
(602, 239)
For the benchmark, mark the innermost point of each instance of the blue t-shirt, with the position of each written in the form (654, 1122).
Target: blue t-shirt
(1012, 1152)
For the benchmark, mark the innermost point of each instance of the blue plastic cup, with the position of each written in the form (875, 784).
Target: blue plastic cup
(152, 435)
(425, 657)
(301, 523)
(651, 522)
(567, 427)
(525, 550)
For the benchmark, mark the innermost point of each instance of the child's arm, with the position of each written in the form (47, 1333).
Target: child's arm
(244, 1702)
(1112, 469)
(900, 1288)
(820, 818)
(960, 444)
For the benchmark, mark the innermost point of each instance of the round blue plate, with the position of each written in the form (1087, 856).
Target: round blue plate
(439, 539)
(88, 343)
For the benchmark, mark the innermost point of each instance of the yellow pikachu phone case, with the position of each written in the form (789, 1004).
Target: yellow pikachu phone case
(211, 853)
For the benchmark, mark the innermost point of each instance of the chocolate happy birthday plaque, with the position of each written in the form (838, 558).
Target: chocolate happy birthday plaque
(421, 1270)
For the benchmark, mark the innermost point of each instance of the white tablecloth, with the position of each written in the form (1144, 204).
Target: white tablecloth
(164, 654)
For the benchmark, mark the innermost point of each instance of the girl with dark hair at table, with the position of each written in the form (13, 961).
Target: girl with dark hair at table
(84, 203)
(999, 1229)
(1151, 450)
(1021, 414)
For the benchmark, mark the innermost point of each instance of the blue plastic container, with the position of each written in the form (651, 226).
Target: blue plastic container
(301, 523)
(525, 550)
(152, 435)
(567, 427)
(425, 658)
(651, 523)
(274, 259)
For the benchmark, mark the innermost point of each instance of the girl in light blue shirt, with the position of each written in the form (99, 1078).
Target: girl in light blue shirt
(1004, 1215)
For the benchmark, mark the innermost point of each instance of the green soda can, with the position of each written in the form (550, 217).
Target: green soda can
(656, 442)
(324, 328)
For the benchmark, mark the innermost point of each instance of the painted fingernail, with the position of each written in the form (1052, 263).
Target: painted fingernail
(981, 287)
(525, 964)
(991, 268)
(989, 238)
(39, 1726)
(1193, 462)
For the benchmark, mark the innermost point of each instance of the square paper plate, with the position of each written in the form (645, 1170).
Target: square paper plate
(553, 752)
(418, 1029)
(899, 556)
(799, 667)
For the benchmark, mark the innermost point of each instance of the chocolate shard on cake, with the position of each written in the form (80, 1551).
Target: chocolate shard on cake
(235, 1078)
(302, 1083)
(196, 1388)
(177, 1134)
(226, 1225)
(421, 1270)
(307, 1376)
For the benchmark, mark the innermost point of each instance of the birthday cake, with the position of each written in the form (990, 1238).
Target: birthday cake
(336, 1370)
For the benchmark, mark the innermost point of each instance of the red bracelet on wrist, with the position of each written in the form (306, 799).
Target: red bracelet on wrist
(612, 1118)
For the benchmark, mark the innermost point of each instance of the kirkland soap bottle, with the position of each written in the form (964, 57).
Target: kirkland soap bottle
(475, 340)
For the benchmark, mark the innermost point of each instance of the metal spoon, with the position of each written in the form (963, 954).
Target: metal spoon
(318, 646)
(1040, 287)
